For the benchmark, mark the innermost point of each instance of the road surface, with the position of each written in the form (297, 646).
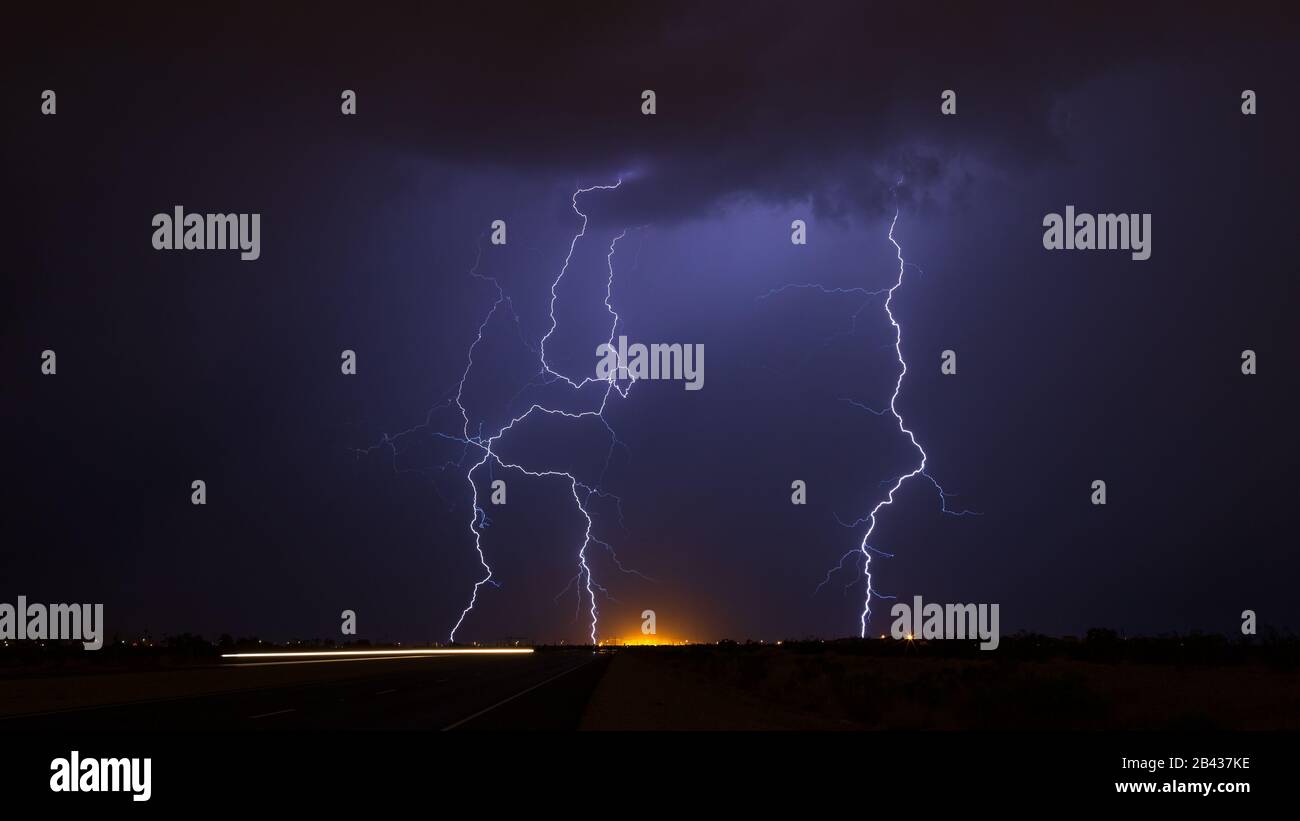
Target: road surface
(539, 691)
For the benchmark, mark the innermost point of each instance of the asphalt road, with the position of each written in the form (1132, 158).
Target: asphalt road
(540, 691)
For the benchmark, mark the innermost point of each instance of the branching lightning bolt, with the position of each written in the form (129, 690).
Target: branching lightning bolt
(865, 548)
(583, 492)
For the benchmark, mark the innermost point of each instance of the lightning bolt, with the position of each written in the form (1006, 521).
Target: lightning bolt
(865, 548)
(474, 440)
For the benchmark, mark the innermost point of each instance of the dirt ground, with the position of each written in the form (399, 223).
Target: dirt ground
(736, 688)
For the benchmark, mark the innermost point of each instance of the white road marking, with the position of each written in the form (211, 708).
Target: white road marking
(276, 713)
(515, 696)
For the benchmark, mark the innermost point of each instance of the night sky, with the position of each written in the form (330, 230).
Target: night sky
(1072, 366)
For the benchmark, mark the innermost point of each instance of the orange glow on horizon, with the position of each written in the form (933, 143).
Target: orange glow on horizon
(641, 640)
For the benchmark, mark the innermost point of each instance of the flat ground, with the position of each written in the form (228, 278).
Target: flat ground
(542, 691)
(768, 688)
(836, 686)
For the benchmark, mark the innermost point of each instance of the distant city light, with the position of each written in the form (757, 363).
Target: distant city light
(640, 640)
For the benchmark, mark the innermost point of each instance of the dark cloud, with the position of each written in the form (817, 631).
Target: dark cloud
(1075, 366)
(828, 101)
